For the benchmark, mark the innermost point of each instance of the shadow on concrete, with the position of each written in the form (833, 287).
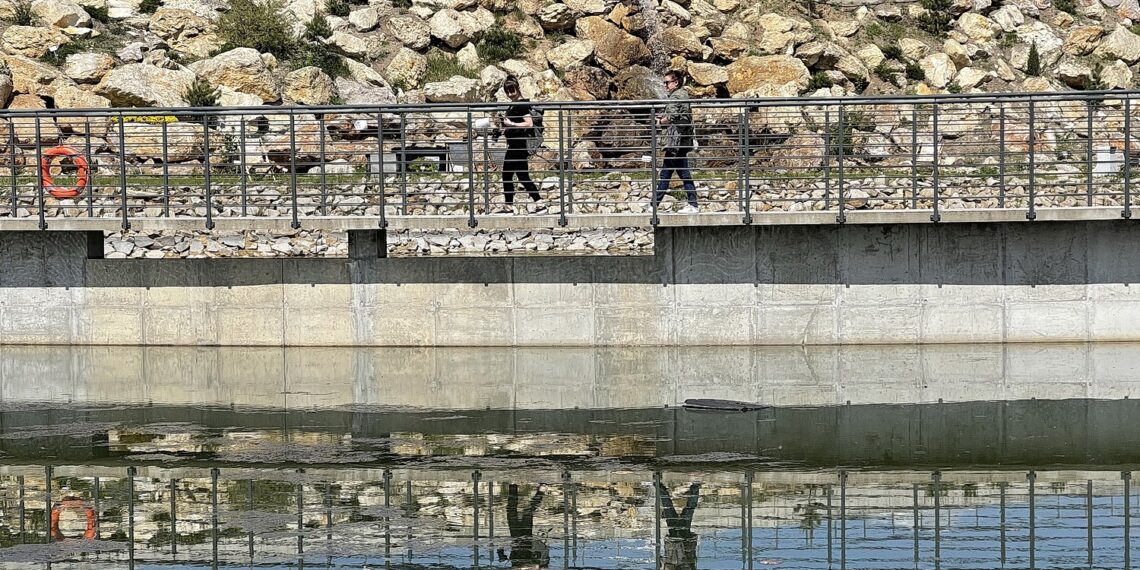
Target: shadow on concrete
(1042, 253)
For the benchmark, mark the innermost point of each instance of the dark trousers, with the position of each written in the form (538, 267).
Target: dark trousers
(516, 164)
(676, 160)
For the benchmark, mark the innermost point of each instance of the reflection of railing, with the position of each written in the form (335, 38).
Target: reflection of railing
(1021, 152)
(821, 519)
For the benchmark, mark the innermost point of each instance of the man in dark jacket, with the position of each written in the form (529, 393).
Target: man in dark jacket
(678, 122)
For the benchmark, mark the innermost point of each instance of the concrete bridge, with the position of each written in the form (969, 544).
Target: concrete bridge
(824, 221)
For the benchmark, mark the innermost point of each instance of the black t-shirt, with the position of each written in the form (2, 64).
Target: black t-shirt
(516, 136)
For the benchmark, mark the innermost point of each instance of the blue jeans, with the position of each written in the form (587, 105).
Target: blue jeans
(676, 160)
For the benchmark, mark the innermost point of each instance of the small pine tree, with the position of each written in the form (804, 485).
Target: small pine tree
(318, 28)
(1033, 62)
(339, 8)
(201, 94)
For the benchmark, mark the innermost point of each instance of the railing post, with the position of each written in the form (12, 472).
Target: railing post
(486, 160)
(570, 160)
(49, 472)
(321, 160)
(1127, 477)
(471, 221)
(653, 220)
(15, 169)
(914, 157)
(843, 519)
(40, 178)
(562, 136)
(380, 167)
(131, 472)
(936, 479)
(657, 515)
(746, 187)
(123, 169)
(1089, 519)
(173, 514)
(1032, 477)
(402, 158)
(206, 173)
(293, 166)
(1032, 213)
(87, 153)
(214, 510)
(1127, 213)
(827, 159)
(165, 170)
(1089, 152)
(934, 150)
(1001, 157)
(841, 140)
(242, 166)
(476, 476)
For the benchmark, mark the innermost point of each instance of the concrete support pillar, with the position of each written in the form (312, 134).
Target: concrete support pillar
(367, 244)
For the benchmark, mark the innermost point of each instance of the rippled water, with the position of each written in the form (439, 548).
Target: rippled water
(172, 458)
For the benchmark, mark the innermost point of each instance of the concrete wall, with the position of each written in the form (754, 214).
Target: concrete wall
(1000, 282)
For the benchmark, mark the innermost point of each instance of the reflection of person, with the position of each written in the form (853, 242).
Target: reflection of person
(681, 544)
(518, 125)
(678, 120)
(527, 551)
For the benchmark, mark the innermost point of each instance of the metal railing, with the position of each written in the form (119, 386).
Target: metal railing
(753, 156)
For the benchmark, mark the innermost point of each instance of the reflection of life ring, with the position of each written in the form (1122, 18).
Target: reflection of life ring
(72, 503)
(77, 159)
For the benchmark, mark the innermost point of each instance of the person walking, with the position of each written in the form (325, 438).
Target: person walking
(678, 122)
(681, 544)
(527, 550)
(518, 125)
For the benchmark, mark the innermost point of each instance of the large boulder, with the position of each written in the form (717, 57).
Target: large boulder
(1041, 34)
(637, 83)
(939, 69)
(243, 70)
(456, 28)
(1116, 75)
(1120, 44)
(757, 72)
(588, 83)
(142, 85)
(185, 31)
(365, 19)
(88, 67)
(978, 27)
(557, 17)
(707, 73)
(25, 127)
(613, 48)
(410, 31)
(33, 77)
(1082, 40)
(455, 90)
(588, 7)
(353, 45)
(61, 14)
(356, 93)
(309, 86)
(407, 68)
(570, 54)
(1008, 17)
(72, 97)
(681, 41)
(1074, 73)
(31, 41)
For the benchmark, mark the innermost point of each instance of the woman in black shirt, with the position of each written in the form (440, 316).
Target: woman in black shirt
(517, 128)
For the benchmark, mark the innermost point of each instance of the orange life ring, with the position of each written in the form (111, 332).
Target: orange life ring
(69, 504)
(77, 159)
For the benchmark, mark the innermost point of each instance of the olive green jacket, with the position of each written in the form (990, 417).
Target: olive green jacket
(679, 133)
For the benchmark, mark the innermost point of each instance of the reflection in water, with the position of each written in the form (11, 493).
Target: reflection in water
(396, 518)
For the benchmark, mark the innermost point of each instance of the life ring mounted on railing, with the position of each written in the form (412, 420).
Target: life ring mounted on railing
(73, 504)
(77, 159)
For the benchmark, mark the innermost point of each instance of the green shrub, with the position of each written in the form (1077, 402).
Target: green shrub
(498, 45)
(339, 8)
(58, 56)
(201, 94)
(24, 15)
(405, 4)
(883, 71)
(318, 28)
(99, 13)
(914, 72)
(1033, 63)
(893, 51)
(149, 6)
(938, 16)
(322, 55)
(954, 88)
(819, 80)
(442, 66)
(259, 24)
(1069, 6)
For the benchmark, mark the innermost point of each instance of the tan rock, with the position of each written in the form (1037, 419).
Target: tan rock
(184, 31)
(613, 48)
(468, 57)
(707, 73)
(557, 17)
(353, 45)
(939, 69)
(25, 127)
(978, 27)
(871, 56)
(681, 41)
(638, 83)
(1004, 70)
(364, 73)
(1116, 75)
(799, 152)
(619, 13)
(61, 14)
(957, 53)
(457, 28)
(754, 72)
(455, 90)
(309, 86)
(728, 48)
(244, 70)
(677, 11)
(1082, 40)
(1074, 73)
(72, 97)
(913, 49)
(588, 7)
(1008, 17)
(410, 31)
(970, 77)
(142, 85)
(1041, 34)
(33, 77)
(31, 41)
(364, 19)
(1038, 85)
(588, 83)
(88, 67)
(1120, 44)
(524, 25)
(844, 28)
(726, 6)
(571, 54)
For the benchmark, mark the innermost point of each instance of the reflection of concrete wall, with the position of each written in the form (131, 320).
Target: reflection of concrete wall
(786, 285)
(549, 378)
